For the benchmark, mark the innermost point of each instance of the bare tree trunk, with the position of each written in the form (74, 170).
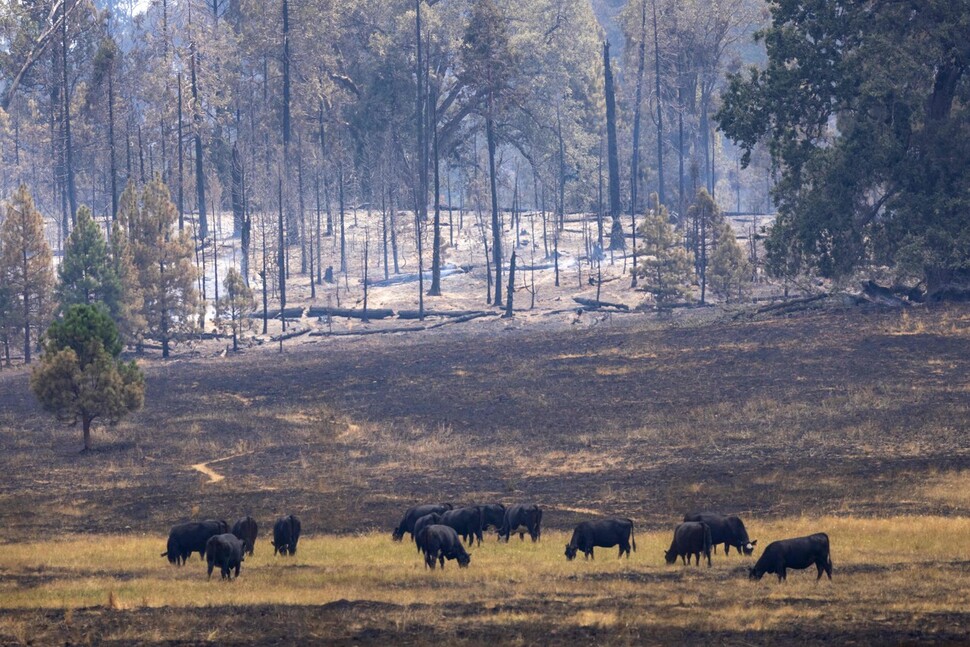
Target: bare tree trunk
(393, 222)
(511, 289)
(660, 118)
(68, 143)
(613, 161)
(435, 290)
(181, 199)
(496, 225)
(343, 230)
(199, 173)
(111, 143)
(635, 164)
(281, 258)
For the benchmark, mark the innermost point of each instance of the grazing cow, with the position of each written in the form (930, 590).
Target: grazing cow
(440, 543)
(690, 538)
(797, 553)
(286, 532)
(493, 514)
(521, 516)
(187, 538)
(422, 523)
(246, 529)
(227, 551)
(412, 515)
(605, 533)
(727, 530)
(467, 522)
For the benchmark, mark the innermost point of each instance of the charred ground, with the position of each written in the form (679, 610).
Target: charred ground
(860, 413)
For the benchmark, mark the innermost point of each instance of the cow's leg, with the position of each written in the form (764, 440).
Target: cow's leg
(727, 549)
(782, 574)
(210, 571)
(828, 568)
(237, 570)
(521, 535)
(715, 549)
(441, 558)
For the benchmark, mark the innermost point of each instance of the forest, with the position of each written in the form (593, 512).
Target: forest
(608, 269)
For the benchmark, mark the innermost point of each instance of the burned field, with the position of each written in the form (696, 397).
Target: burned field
(853, 419)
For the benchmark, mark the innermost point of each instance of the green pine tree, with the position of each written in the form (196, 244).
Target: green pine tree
(666, 268)
(86, 275)
(235, 305)
(730, 270)
(80, 378)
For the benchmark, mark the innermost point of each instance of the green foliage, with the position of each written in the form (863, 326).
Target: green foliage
(730, 271)
(237, 302)
(666, 269)
(79, 378)
(864, 107)
(80, 327)
(25, 266)
(163, 258)
(86, 274)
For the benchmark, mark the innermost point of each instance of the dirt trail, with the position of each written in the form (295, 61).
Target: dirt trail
(215, 477)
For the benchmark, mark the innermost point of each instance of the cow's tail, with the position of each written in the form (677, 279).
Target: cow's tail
(165, 554)
(633, 540)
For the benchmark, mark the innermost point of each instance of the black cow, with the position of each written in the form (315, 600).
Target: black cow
(520, 516)
(605, 533)
(493, 514)
(246, 529)
(690, 538)
(422, 523)
(467, 522)
(187, 538)
(412, 515)
(797, 553)
(727, 530)
(440, 543)
(227, 551)
(286, 533)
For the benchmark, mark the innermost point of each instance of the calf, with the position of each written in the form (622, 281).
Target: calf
(226, 550)
(467, 522)
(727, 530)
(797, 553)
(440, 543)
(412, 515)
(521, 516)
(286, 533)
(246, 529)
(605, 533)
(187, 538)
(690, 538)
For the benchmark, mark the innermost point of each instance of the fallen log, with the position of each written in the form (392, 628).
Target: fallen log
(291, 334)
(403, 329)
(414, 314)
(350, 313)
(596, 305)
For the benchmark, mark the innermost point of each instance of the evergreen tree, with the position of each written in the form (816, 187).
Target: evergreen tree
(80, 377)
(163, 258)
(25, 265)
(86, 275)
(729, 265)
(666, 268)
(236, 304)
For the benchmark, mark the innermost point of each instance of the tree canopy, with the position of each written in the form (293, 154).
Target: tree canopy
(866, 109)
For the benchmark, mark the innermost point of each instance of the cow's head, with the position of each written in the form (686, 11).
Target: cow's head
(670, 556)
(464, 560)
(570, 552)
(397, 535)
(748, 548)
(754, 573)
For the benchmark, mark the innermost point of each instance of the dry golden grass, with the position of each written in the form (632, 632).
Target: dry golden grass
(903, 567)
